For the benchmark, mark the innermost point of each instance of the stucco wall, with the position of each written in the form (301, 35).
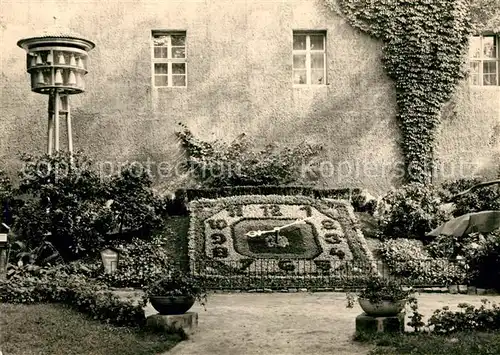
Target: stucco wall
(239, 80)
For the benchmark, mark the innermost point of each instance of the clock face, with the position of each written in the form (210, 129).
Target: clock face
(287, 235)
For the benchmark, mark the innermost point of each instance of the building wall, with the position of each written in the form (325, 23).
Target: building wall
(239, 81)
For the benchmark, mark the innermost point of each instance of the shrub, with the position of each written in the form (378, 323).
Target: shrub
(133, 203)
(217, 164)
(482, 199)
(140, 262)
(485, 263)
(468, 318)
(34, 284)
(408, 259)
(65, 204)
(411, 212)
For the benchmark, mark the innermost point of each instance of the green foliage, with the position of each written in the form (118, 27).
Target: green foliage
(411, 211)
(65, 204)
(134, 205)
(468, 318)
(378, 289)
(140, 262)
(178, 283)
(482, 199)
(409, 260)
(424, 47)
(218, 164)
(33, 284)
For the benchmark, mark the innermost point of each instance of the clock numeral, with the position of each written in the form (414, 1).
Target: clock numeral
(235, 211)
(220, 252)
(271, 210)
(323, 265)
(338, 253)
(218, 238)
(330, 224)
(217, 223)
(307, 209)
(331, 238)
(286, 265)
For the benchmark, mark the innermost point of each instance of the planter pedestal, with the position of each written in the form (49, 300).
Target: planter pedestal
(369, 324)
(169, 323)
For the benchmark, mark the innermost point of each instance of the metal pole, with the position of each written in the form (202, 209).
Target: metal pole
(50, 139)
(57, 107)
(70, 133)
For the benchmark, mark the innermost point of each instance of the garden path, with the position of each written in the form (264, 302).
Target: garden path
(287, 323)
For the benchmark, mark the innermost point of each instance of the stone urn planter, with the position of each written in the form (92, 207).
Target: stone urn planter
(170, 305)
(382, 308)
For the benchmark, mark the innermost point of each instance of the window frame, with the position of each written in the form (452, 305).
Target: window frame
(481, 60)
(169, 60)
(307, 52)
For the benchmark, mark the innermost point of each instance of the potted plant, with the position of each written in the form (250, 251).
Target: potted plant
(176, 293)
(381, 297)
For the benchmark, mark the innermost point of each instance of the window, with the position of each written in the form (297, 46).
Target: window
(309, 57)
(169, 59)
(483, 55)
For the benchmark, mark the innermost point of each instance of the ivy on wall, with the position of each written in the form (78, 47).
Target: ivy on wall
(424, 47)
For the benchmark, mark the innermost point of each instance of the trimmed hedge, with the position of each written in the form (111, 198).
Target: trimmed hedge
(178, 204)
(55, 285)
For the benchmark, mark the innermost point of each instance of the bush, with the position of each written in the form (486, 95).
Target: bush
(485, 263)
(33, 284)
(482, 199)
(65, 205)
(140, 262)
(411, 212)
(134, 205)
(218, 164)
(408, 259)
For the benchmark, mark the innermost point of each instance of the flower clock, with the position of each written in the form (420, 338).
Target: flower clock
(274, 234)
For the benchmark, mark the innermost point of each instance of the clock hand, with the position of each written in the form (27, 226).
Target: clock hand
(275, 229)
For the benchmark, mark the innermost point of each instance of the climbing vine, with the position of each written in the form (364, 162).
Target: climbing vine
(424, 47)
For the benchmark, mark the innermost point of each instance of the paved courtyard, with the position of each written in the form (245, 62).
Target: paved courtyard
(287, 323)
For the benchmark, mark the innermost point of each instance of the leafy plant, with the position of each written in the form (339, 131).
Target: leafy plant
(65, 204)
(411, 211)
(132, 202)
(218, 164)
(379, 289)
(424, 45)
(178, 283)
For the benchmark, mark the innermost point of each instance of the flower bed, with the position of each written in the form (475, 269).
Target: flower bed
(237, 236)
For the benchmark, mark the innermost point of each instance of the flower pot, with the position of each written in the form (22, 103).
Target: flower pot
(166, 305)
(383, 308)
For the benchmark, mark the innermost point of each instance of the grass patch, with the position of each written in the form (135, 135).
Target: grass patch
(57, 330)
(470, 343)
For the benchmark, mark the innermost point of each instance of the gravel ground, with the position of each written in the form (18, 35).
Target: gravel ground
(287, 323)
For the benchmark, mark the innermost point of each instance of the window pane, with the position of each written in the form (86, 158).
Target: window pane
(474, 79)
(317, 77)
(178, 52)
(489, 67)
(299, 61)
(160, 40)
(317, 42)
(475, 47)
(161, 68)
(490, 79)
(299, 77)
(489, 47)
(161, 52)
(178, 80)
(299, 41)
(178, 40)
(161, 80)
(317, 60)
(178, 68)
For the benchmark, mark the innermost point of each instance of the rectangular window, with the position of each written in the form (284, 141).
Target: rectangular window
(309, 58)
(484, 59)
(169, 59)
